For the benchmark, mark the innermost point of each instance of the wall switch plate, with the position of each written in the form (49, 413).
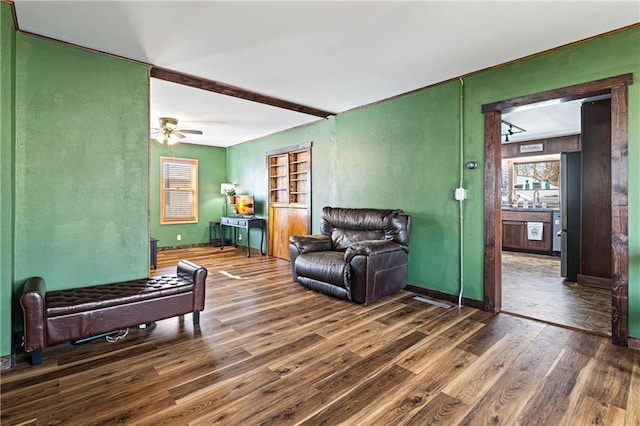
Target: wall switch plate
(179, 237)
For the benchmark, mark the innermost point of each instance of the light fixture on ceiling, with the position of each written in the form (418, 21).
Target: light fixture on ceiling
(169, 138)
(510, 131)
(169, 133)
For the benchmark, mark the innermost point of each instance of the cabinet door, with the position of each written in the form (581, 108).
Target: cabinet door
(539, 245)
(284, 221)
(512, 234)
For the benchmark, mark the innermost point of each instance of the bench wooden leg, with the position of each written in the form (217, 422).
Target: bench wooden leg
(36, 357)
(196, 317)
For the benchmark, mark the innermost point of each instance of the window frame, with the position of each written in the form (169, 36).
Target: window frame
(193, 191)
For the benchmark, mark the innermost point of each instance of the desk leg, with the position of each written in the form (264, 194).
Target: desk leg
(262, 250)
(221, 237)
(248, 241)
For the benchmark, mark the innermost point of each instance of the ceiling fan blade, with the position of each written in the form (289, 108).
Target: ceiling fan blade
(192, 132)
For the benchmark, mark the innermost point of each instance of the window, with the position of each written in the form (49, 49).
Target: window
(540, 171)
(179, 191)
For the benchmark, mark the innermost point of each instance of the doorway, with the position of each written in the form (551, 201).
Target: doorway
(617, 87)
(545, 275)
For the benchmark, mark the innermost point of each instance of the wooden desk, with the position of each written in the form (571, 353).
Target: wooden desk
(244, 223)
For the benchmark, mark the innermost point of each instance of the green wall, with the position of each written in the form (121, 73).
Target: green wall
(81, 165)
(212, 170)
(81, 186)
(405, 153)
(7, 135)
(401, 153)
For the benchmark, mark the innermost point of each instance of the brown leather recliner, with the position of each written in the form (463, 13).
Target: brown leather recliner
(361, 254)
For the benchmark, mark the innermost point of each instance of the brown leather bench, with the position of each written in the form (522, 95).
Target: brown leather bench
(77, 313)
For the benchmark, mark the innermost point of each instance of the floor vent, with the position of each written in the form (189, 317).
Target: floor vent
(432, 302)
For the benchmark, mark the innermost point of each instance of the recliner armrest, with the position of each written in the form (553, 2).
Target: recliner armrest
(310, 243)
(372, 248)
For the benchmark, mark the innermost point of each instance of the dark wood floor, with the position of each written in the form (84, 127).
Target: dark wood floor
(269, 351)
(532, 286)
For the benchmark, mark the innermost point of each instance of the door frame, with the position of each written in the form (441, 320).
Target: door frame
(617, 87)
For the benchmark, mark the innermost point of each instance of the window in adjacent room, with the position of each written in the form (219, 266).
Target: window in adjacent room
(179, 191)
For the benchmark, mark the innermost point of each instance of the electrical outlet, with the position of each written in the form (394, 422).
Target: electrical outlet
(179, 237)
(239, 237)
(460, 194)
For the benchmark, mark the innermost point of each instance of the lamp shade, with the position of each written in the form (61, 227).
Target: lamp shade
(224, 187)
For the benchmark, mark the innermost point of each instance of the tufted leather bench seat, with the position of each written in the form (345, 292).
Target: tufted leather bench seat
(68, 315)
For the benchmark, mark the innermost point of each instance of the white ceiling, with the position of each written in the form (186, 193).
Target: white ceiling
(543, 120)
(330, 55)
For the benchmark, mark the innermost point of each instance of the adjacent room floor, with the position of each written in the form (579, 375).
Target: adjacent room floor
(532, 287)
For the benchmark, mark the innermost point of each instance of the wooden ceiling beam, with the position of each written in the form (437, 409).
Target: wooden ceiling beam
(236, 92)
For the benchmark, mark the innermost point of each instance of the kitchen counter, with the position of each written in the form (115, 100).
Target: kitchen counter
(514, 229)
(530, 209)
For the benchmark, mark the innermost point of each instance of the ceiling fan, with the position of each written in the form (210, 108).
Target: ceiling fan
(169, 132)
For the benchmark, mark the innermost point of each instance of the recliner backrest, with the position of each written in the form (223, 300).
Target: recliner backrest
(345, 226)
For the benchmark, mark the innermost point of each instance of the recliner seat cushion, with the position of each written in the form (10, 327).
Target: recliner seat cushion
(324, 266)
(73, 301)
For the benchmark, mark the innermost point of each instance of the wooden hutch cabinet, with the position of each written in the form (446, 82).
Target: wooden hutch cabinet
(289, 174)
(289, 177)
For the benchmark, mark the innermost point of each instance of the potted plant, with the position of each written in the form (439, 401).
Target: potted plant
(231, 195)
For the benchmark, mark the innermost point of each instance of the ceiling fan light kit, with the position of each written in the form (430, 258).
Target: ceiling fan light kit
(168, 123)
(169, 132)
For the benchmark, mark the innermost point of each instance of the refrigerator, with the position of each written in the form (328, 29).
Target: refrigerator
(570, 178)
